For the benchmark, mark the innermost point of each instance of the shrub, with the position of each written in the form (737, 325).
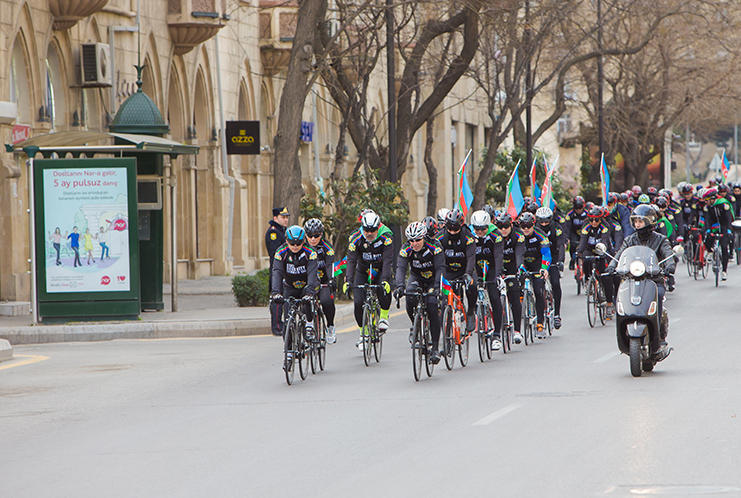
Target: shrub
(252, 290)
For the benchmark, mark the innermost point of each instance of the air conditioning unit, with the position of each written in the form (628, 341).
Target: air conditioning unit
(95, 63)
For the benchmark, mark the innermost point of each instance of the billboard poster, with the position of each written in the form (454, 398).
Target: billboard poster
(86, 227)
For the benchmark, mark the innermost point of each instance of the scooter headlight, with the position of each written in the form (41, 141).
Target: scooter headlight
(637, 268)
(652, 308)
(620, 309)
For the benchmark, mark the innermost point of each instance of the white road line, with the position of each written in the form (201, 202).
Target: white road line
(498, 414)
(608, 356)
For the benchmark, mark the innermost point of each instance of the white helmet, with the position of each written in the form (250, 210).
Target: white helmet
(480, 219)
(544, 214)
(415, 230)
(442, 214)
(370, 221)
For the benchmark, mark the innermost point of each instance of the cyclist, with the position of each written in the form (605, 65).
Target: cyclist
(666, 224)
(574, 223)
(643, 219)
(623, 198)
(551, 229)
(615, 228)
(459, 249)
(382, 229)
(652, 192)
(737, 197)
(513, 254)
(425, 261)
(369, 259)
(294, 273)
(636, 191)
(314, 229)
(489, 258)
(432, 227)
(592, 234)
(442, 215)
(537, 259)
(619, 213)
(489, 209)
(688, 207)
(716, 221)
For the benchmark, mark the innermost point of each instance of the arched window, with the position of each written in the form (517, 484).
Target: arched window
(19, 82)
(56, 109)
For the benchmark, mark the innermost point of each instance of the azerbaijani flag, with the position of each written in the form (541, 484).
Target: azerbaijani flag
(604, 177)
(372, 273)
(546, 198)
(339, 266)
(513, 200)
(445, 287)
(486, 269)
(465, 198)
(537, 194)
(533, 174)
(725, 166)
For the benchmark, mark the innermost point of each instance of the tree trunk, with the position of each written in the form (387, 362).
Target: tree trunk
(287, 188)
(431, 169)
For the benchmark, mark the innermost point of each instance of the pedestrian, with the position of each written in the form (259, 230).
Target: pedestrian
(275, 236)
(103, 241)
(88, 245)
(74, 243)
(56, 240)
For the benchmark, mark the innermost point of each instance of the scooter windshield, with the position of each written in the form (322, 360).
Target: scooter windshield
(639, 253)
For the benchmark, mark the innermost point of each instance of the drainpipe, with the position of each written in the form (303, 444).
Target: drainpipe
(222, 126)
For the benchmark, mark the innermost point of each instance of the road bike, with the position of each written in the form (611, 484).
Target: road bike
(508, 322)
(698, 262)
(578, 276)
(529, 313)
(716, 263)
(484, 321)
(550, 307)
(453, 325)
(421, 338)
(370, 337)
(318, 343)
(295, 345)
(596, 300)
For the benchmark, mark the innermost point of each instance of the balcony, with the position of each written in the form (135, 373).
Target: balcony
(66, 13)
(277, 29)
(192, 22)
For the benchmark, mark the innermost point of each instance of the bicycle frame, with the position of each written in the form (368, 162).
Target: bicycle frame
(456, 303)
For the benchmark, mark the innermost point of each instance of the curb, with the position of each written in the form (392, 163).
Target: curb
(164, 329)
(6, 350)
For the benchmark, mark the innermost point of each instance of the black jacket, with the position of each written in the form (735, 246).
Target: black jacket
(657, 242)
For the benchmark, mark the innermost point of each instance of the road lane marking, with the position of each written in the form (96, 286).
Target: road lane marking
(606, 357)
(498, 414)
(29, 359)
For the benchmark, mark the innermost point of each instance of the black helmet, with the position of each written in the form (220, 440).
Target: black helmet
(686, 189)
(504, 220)
(644, 212)
(661, 202)
(723, 188)
(651, 191)
(313, 227)
(531, 208)
(623, 197)
(527, 220)
(578, 202)
(454, 220)
(595, 212)
(666, 193)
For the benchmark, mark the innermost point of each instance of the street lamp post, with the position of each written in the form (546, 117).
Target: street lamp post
(528, 91)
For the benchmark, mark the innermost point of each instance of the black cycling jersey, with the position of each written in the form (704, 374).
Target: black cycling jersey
(295, 270)
(425, 265)
(489, 255)
(361, 255)
(460, 253)
(591, 236)
(557, 239)
(574, 223)
(325, 258)
(513, 252)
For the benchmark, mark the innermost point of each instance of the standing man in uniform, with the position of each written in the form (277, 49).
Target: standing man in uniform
(275, 236)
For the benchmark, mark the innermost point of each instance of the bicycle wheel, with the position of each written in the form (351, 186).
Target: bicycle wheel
(506, 326)
(689, 257)
(578, 282)
(303, 350)
(377, 346)
(463, 348)
(322, 345)
(531, 318)
(289, 358)
(591, 304)
(427, 342)
(447, 337)
(418, 346)
(716, 264)
(549, 313)
(481, 330)
(601, 308)
(366, 333)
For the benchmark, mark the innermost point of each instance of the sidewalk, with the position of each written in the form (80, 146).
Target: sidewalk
(206, 309)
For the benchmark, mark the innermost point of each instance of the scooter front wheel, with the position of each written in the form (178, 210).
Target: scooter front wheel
(635, 357)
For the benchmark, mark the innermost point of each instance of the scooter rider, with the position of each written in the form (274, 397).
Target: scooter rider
(552, 230)
(425, 261)
(489, 258)
(643, 219)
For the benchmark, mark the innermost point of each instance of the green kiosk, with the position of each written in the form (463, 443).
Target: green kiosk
(97, 222)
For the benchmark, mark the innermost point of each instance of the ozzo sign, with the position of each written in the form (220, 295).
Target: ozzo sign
(243, 137)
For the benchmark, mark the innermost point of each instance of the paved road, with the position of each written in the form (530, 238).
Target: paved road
(214, 417)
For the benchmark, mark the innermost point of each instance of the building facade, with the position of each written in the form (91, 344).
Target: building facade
(198, 55)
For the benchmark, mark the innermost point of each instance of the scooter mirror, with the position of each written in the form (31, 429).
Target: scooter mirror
(678, 251)
(600, 249)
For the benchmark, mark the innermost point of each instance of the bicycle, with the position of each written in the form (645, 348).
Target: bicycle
(596, 302)
(295, 345)
(484, 321)
(370, 337)
(453, 316)
(699, 265)
(578, 276)
(421, 341)
(550, 307)
(716, 263)
(529, 313)
(319, 342)
(508, 323)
